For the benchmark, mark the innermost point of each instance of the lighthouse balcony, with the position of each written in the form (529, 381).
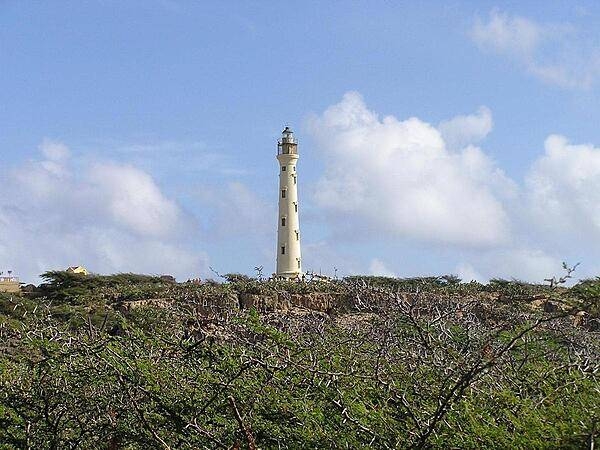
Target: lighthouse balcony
(284, 148)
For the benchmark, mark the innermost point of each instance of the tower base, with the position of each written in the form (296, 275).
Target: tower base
(289, 276)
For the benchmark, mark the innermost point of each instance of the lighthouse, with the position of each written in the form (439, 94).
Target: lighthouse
(289, 261)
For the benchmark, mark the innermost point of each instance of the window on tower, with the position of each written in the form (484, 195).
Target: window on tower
(283, 249)
(294, 179)
(283, 168)
(297, 235)
(283, 221)
(296, 207)
(283, 193)
(298, 263)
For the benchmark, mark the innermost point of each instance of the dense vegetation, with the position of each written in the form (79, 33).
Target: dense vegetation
(131, 361)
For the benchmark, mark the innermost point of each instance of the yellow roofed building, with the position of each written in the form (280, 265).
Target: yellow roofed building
(78, 269)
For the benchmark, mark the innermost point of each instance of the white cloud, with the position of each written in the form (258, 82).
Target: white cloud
(516, 36)
(133, 200)
(108, 217)
(378, 267)
(526, 264)
(554, 53)
(54, 151)
(558, 213)
(326, 258)
(563, 188)
(522, 263)
(237, 210)
(399, 182)
(397, 178)
(467, 273)
(470, 129)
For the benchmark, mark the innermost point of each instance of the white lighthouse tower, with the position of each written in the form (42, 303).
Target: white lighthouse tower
(289, 261)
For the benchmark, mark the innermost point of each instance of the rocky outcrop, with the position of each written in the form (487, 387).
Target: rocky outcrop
(262, 302)
(318, 301)
(283, 301)
(204, 305)
(217, 304)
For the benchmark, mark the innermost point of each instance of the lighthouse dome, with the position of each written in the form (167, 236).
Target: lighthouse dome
(287, 136)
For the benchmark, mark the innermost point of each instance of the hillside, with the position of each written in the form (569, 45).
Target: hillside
(133, 361)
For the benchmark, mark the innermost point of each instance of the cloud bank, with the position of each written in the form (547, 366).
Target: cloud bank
(110, 217)
(398, 176)
(395, 188)
(407, 183)
(467, 129)
(554, 53)
(563, 188)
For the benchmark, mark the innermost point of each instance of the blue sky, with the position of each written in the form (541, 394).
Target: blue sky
(140, 136)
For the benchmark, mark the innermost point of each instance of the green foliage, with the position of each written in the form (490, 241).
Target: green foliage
(403, 284)
(449, 283)
(437, 363)
(588, 293)
(73, 288)
(237, 278)
(511, 291)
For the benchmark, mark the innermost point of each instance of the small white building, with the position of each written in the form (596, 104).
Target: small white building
(289, 259)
